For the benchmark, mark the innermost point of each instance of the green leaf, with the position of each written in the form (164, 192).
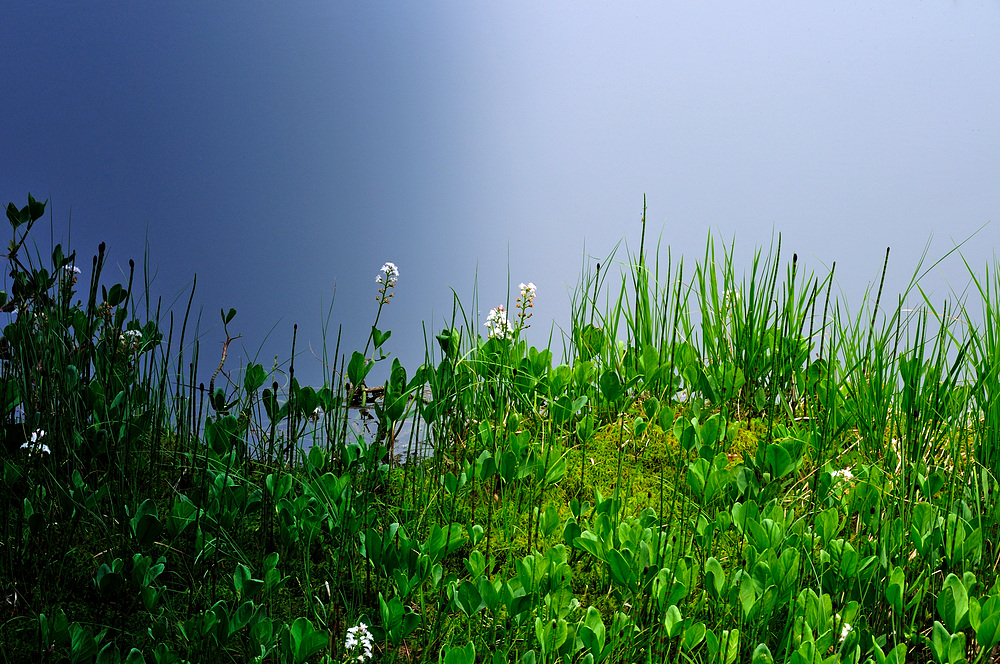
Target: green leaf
(621, 569)
(135, 657)
(450, 341)
(592, 633)
(730, 645)
(245, 586)
(953, 604)
(379, 337)
(556, 471)
(83, 645)
(476, 564)
(611, 386)
(988, 633)
(590, 341)
(306, 640)
(254, 378)
(693, 635)
(762, 655)
(696, 475)
(468, 598)
(443, 541)
(35, 209)
(673, 621)
(109, 655)
(549, 520)
(748, 594)
(940, 642)
(894, 593)
(358, 368)
(551, 634)
(182, 515)
(14, 216)
(146, 524)
(715, 578)
(778, 460)
(461, 654)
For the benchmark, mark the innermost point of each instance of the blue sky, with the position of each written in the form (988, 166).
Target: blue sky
(283, 151)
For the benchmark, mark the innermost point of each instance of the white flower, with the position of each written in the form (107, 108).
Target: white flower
(71, 269)
(131, 339)
(845, 630)
(34, 446)
(528, 290)
(391, 275)
(359, 637)
(497, 323)
(844, 474)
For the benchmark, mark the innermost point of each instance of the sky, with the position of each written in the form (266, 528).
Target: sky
(283, 151)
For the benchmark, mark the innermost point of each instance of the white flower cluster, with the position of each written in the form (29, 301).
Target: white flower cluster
(358, 644)
(388, 279)
(497, 323)
(845, 475)
(34, 445)
(391, 275)
(524, 303)
(130, 340)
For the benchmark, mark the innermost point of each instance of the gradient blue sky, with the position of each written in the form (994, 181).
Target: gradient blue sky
(284, 150)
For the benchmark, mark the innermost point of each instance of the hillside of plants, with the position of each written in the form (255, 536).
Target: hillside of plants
(715, 464)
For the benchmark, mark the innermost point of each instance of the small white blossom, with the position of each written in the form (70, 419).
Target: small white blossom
(524, 303)
(391, 275)
(845, 630)
(71, 269)
(130, 340)
(34, 445)
(497, 323)
(358, 638)
(844, 474)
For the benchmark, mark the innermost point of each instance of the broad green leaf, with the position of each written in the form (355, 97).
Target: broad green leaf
(621, 569)
(894, 592)
(953, 604)
(693, 635)
(673, 621)
(762, 655)
(306, 640)
(254, 378)
(461, 654)
(611, 386)
(715, 578)
(988, 633)
(468, 598)
(730, 645)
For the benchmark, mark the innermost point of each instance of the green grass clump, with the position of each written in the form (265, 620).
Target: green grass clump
(724, 467)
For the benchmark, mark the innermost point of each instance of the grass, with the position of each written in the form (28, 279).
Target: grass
(725, 467)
